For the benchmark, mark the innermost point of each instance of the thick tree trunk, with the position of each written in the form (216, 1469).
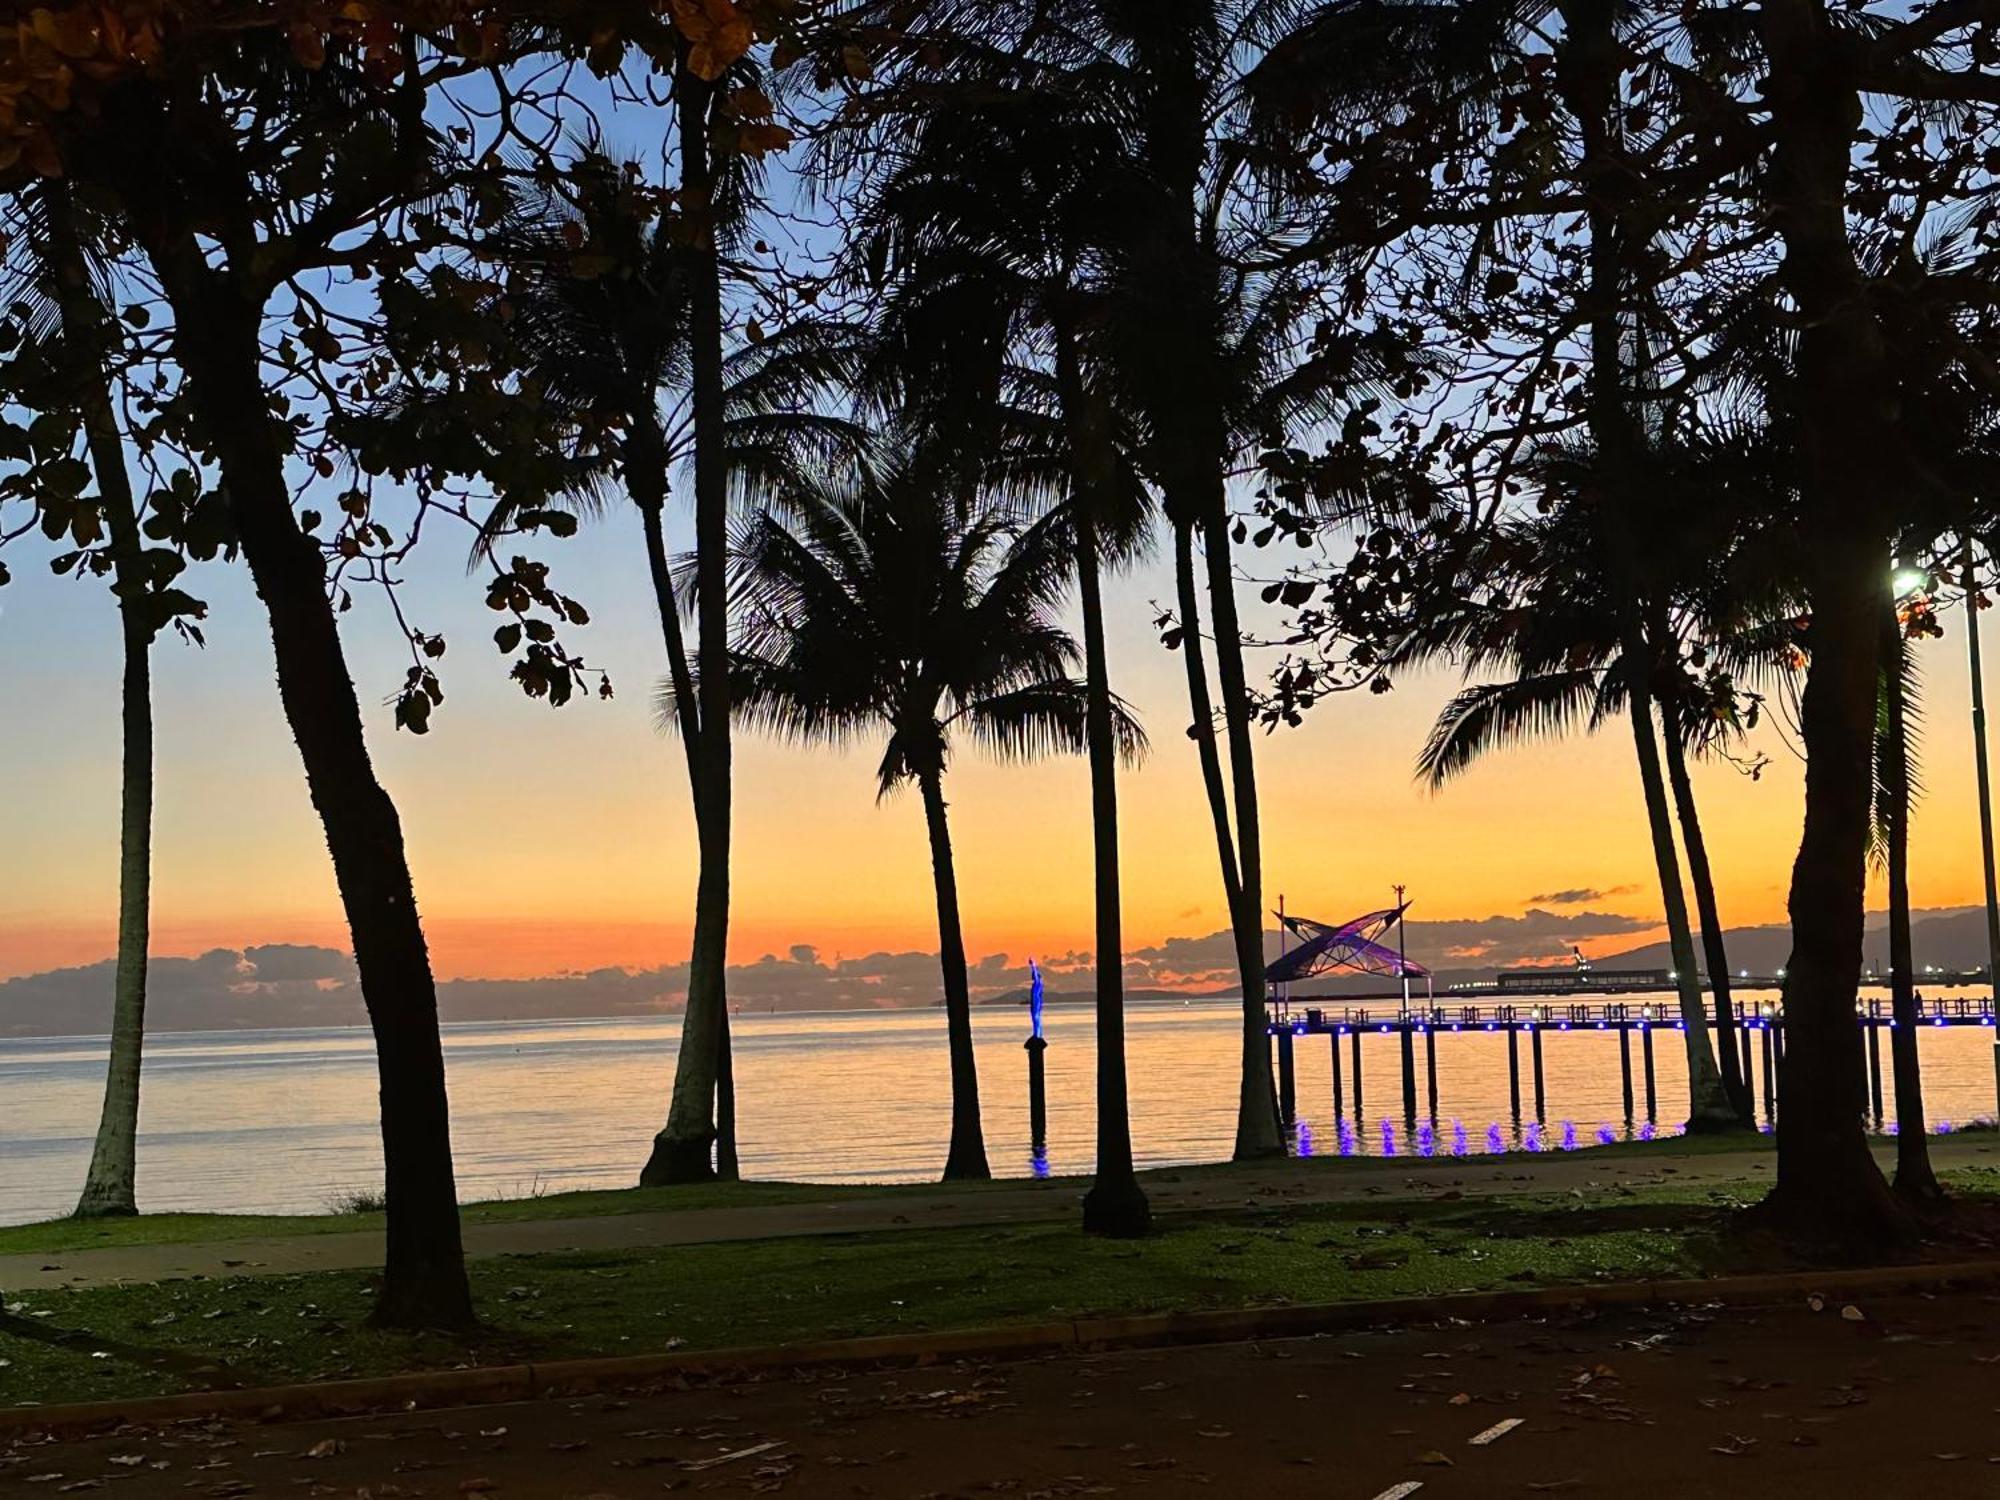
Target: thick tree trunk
(966, 1158)
(681, 1151)
(216, 341)
(1915, 1180)
(1734, 1085)
(110, 1186)
(1115, 1204)
(1829, 1188)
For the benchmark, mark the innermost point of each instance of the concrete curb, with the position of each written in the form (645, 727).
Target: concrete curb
(502, 1383)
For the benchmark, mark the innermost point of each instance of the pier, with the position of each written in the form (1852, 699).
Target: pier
(1760, 1038)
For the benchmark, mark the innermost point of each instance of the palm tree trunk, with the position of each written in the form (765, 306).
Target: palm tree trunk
(1258, 1132)
(1116, 1204)
(1588, 72)
(1734, 1085)
(1708, 1106)
(216, 339)
(1257, 1109)
(1829, 1188)
(1914, 1178)
(966, 1158)
(681, 1151)
(109, 1187)
(1970, 582)
(1202, 726)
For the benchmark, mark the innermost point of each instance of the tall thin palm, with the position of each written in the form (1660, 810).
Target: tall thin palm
(980, 236)
(66, 270)
(602, 302)
(901, 600)
(1200, 352)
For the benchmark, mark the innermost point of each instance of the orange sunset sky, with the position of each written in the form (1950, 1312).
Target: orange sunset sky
(545, 841)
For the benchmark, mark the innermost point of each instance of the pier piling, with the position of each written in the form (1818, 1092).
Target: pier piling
(1770, 1073)
(1038, 1093)
(1356, 1034)
(1339, 1104)
(1874, 1067)
(1431, 1066)
(1541, 1098)
(1625, 1067)
(1408, 1048)
(1514, 1072)
(1288, 1079)
(1646, 1048)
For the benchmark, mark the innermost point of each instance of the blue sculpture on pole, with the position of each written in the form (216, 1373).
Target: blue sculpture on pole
(1038, 1087)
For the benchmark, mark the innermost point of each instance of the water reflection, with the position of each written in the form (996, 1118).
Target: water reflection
(279, 1121)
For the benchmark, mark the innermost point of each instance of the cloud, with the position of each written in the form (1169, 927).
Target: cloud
(284, 984)
(1579, 895)
(1499, 940)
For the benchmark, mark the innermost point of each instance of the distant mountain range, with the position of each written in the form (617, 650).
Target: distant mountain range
(288, 985)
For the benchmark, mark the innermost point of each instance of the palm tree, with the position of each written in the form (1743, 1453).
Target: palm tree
(67, 269)
(907, 596)
(979, 236)
(1895, 791)
(1566, 661)
(601, 302)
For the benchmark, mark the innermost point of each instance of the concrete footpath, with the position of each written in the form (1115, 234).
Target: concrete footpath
(1879, 1397)
(1172, 1191)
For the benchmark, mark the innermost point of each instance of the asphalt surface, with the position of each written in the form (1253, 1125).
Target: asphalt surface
(1888, 1398)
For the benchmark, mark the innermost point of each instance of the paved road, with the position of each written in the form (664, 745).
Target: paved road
(1779, 1403)
(1171, 1192)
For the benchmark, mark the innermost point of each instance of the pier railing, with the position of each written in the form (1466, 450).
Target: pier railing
(1763, 1021)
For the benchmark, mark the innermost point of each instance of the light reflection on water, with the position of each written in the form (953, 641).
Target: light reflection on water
(278, 1121)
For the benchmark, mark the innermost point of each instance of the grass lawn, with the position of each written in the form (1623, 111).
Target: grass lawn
(126, 1341)
(57, 1235)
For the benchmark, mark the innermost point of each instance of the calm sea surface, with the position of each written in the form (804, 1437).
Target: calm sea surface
(282, 1121)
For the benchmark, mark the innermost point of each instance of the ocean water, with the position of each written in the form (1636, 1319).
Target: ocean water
(284, 1121)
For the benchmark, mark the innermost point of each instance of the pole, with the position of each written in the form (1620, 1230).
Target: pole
(1431, 1063)
(1338, 1103)
(1541, 1101)
(1038, 1083)
(1288, 1078)
(1874, 1064)
(1356, 1034)
(1646, 1049)
(1407, 1040)
(1971, 585)
(1514, 1069)
(1770, 1073)
(1038, 1094)
(1625, 1066)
